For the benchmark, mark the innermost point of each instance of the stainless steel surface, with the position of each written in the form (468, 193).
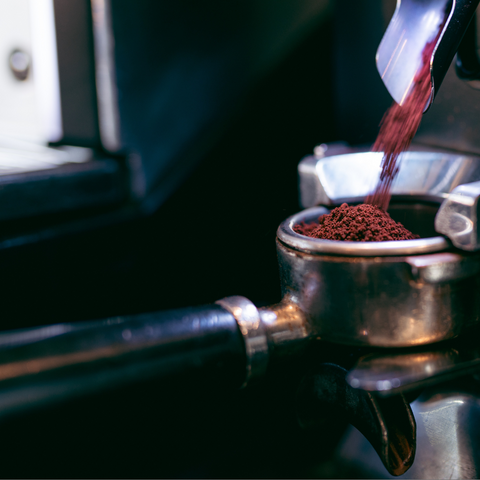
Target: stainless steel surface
(390, 374)
(447, 438)
(254, 335)
(457, 217)
(286, 327)
(349, 177)
(268, 333)
(413, 25)
(400, 300)
(388, 424)
(399, 55)
(359, 249)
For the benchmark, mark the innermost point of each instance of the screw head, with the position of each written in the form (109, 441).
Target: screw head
(19, 62)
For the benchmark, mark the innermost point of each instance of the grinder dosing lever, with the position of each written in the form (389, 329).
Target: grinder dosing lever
(414, 24)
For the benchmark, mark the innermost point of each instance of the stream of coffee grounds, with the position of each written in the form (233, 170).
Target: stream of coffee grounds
(361, 223)
(398, 127)
(370, 221)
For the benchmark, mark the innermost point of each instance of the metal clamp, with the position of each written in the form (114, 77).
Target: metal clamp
(254, 335)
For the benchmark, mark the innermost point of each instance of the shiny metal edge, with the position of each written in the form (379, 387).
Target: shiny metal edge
(253, 332)
(411, 26)
(107, 95)
(350, 177)
(292, 239)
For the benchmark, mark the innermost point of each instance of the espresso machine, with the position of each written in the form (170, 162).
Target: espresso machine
(138, 191)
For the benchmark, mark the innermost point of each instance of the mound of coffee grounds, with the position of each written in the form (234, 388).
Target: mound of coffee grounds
(399, 125)
(361, 223)
(304, 228)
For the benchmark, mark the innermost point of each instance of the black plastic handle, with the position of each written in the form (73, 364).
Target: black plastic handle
(117, 351)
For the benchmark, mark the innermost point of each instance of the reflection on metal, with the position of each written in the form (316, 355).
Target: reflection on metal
(286, 327)
(457, 217)
(358, 297)
(443, 267)
(388, 424)
(253, 332)
(413, 25)
(109, 118)
(350, 177)
(399, 56)
(391, 373)
(269, 333)
(447, 438)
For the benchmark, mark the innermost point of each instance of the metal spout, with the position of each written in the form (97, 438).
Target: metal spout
(415, 24)
(388, 424)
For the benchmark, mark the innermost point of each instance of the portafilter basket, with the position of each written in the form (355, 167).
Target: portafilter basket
(383, 294)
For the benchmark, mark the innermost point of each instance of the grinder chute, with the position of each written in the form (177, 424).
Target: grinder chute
(413, 25)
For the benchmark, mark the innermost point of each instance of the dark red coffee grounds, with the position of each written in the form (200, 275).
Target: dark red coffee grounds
(398, 127)
(304, 228)
(361, 223)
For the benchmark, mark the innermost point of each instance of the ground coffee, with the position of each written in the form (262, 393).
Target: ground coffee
(361, 223)
(398, 127)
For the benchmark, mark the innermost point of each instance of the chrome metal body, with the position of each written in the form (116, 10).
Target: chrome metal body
(390, 373)
(399, 55)
(358, 297)
(253, 332)
(387, 423)
(447, 438)
(268, 333)
(457, 217)
(329, 178)
(413, 25)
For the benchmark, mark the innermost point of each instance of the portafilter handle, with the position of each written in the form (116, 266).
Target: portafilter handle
(50, 364)
(232, 340)
(414, 24)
